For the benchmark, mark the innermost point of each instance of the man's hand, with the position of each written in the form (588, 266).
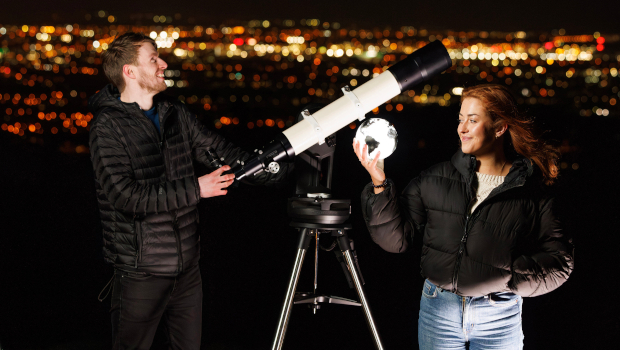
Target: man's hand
(214, 184)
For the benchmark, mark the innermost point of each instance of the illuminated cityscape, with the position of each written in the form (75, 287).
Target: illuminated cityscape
(227, 72)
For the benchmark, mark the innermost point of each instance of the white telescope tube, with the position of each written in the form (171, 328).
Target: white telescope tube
(416, 68)
(342, 112)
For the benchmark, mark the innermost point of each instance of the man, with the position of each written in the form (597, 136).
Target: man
(142, 147)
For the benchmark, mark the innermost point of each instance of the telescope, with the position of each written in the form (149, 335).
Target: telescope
(416, 68)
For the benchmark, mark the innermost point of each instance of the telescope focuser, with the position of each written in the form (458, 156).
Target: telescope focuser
(266, 159)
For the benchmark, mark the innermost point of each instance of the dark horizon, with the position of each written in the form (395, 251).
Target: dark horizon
(526, 15)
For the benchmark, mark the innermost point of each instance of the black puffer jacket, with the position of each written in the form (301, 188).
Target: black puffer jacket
(512, 241)
(145, 181)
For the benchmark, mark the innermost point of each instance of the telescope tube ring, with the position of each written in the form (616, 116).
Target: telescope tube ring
(356, 101)
(317, 128)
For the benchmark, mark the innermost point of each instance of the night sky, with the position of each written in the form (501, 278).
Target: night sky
(575, 16)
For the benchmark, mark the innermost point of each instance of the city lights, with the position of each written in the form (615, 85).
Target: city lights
(287, 64)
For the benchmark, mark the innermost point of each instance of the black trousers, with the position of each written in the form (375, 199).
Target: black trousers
(140, 301)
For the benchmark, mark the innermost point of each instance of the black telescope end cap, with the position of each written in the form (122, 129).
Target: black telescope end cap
(421, 65)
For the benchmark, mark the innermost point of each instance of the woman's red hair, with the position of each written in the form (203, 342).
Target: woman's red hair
(502, 108)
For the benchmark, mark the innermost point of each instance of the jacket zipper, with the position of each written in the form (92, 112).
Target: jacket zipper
(136, 227)
(162, 149)
(161, 140)
(138, 242)
(459, 256)
(162, 143)
(175, 226)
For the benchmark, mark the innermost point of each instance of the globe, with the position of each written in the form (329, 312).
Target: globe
(379, 135)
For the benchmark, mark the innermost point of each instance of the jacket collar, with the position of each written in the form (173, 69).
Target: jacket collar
(522, 169)
(108, 97)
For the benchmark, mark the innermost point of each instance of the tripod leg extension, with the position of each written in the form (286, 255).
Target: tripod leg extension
(343, 242)
(304, 242)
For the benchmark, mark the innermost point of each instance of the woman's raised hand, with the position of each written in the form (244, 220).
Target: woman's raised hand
(374, 166)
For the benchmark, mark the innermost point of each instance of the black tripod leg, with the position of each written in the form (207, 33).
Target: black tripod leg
(345, 247)
(345, 269)
(302, 247)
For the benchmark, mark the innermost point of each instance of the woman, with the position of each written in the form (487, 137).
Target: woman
(490, 236)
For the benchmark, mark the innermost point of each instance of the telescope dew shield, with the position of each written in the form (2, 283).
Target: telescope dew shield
(421, 65)
(418, 67)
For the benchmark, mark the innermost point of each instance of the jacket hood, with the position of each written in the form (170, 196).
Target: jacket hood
(106, 97)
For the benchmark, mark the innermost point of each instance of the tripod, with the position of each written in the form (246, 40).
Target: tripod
(306, 232)
(314, 212)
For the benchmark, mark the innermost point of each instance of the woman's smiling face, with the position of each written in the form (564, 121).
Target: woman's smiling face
(475, 128)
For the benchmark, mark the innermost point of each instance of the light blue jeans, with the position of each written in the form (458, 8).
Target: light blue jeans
(450, 321)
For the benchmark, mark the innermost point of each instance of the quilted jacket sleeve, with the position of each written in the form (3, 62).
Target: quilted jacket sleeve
(551, 260)
(392, 220)
(202, 139)
(115, 175)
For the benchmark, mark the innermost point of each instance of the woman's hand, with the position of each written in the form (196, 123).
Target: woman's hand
(374, 167)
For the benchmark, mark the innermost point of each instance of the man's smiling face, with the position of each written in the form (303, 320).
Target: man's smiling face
(150, 69)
